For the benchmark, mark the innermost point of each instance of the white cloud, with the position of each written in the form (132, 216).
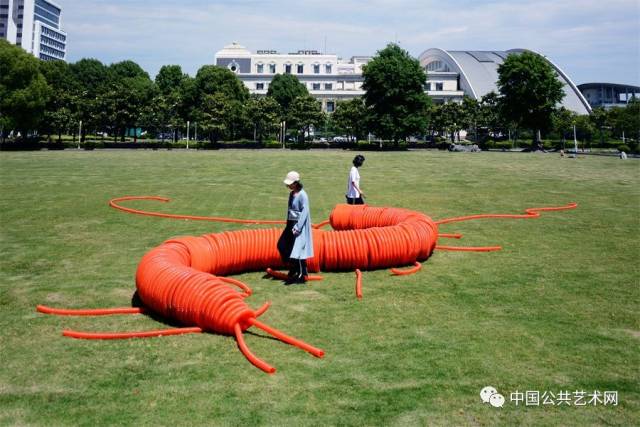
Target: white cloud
(576, 34)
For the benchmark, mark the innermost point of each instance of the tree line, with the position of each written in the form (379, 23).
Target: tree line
(51, 98)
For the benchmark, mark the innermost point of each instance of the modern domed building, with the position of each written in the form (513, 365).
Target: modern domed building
(451, 74)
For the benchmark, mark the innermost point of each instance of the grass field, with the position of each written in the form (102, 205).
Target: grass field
(555, 310)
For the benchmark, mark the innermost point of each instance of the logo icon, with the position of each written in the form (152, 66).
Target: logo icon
(490, 395)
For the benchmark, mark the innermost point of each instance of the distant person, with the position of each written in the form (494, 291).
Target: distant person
(623, 155)
(296, 242)
(354, 195)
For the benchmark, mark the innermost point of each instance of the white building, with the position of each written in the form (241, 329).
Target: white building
(35, 26)
(451, 75)
(327, 77)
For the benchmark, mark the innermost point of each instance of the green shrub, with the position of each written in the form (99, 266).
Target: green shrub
(272, 144)
(502, 145)
(624, 147)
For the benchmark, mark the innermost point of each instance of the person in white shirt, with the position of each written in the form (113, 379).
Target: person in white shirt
(354, 195)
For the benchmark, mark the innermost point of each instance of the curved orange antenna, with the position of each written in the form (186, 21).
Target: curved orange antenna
(469, 248)
(279, 275)
(530, 213)
(126, 335)
(89, 312)
(256, 361)
(259, 312)
(450, 235)
(322, 224)
(358, 283)
(114, 204)
(247, 290)
(417, 266)
(286, 338)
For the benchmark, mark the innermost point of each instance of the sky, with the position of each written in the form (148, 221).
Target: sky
(591, 40)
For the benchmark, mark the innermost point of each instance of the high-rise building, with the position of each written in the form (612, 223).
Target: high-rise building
(34, 25)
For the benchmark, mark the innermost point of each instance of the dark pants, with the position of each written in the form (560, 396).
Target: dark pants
(355, 201)
(297, 267)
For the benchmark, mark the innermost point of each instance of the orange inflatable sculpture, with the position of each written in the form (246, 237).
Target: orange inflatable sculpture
(184, 278)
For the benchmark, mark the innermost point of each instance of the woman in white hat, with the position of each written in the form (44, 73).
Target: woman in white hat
(296, 242)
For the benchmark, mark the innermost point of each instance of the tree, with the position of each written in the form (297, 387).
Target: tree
(23, 90)
(394, 95)
(284, 88)
(452, 119)
(170, 104)
(351, 117)
(584, 128)
(264, 114)
(563, 121)
(304, 112)
(61, 109)
(530, 91)
(129, 91)
(93, 108)
(215, 115)
(211, 80)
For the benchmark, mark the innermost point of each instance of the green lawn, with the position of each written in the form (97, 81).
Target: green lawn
(555, 310)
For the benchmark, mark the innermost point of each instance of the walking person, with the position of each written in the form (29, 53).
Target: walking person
(296, 241)
(354, 195)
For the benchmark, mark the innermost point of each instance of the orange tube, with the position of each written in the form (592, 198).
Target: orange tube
(89, 312)
(114, 204)
(259, 312)
(450, 235)
(257, 362)
(415, 269)
(125, 335)
(287, 339)
(279, 275)
(469, 248)
(530, 213)
(358, 283)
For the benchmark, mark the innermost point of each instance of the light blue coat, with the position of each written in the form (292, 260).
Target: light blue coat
(303, 245)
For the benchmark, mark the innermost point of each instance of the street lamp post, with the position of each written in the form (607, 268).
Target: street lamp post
(188, 123)
(79, 134)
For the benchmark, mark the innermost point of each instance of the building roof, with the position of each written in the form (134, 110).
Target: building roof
(478, 72)
(234, 50)
(619, 86)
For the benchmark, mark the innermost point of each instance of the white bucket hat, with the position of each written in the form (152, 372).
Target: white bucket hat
(292, 177)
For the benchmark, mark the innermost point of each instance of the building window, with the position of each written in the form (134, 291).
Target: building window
(315, 86)
(287, 68)
(328, 86)
(259, 86)
(439, 86)
(437, 66)
(327, 68)
(234, 67)
(316, 68)
(272, 68)
(331, 106)
(427, 86)
(300, 69)
(260, 68)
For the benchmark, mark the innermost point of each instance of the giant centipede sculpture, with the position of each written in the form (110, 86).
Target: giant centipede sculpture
(184, 278)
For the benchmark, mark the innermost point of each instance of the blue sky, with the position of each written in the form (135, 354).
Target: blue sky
(591, 40)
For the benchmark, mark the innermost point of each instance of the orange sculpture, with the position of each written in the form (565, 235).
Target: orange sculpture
(184, 278)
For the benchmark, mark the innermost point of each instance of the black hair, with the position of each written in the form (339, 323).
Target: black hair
(299, 185)
(358, 160)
